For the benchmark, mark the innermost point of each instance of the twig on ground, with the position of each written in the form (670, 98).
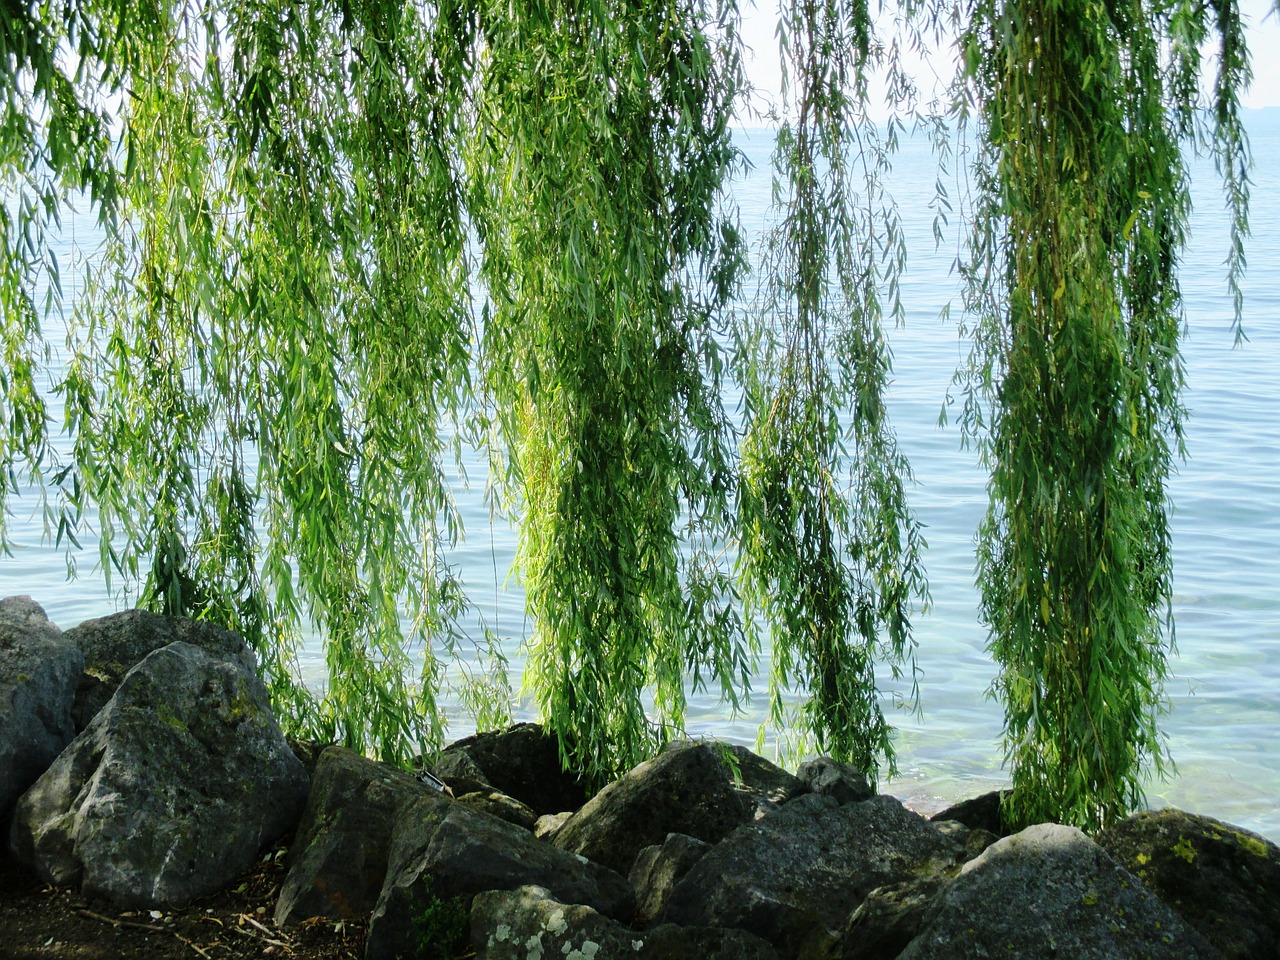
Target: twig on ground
(150, 927)
(266, 936)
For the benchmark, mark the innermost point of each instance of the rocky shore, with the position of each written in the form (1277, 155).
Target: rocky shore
(141, 764)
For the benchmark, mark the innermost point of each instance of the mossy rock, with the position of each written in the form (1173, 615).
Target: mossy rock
(1222, 880)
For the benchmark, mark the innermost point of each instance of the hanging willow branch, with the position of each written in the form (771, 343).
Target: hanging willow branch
(600, 157)
(276, 336)
(830, 554)
(1085, 111)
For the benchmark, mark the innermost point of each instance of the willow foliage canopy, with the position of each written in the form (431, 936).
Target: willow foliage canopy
(344, 239)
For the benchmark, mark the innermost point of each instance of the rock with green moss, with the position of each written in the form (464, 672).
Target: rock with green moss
(498, 804)
(530, 923)
(765, 785)
(114, 645)
(39, 670)
(659, 868)
(1051, 892)
(794, 876)
(172, 790)
(1222, 880)
(442, 850)
(885, 922)
(839, 781)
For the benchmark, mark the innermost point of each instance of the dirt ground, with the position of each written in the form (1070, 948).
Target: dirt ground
(39, 922)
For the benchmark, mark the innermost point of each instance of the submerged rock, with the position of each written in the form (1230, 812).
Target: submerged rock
(39, 671)
(1222, 880)
(170, 792)
(1051, 892)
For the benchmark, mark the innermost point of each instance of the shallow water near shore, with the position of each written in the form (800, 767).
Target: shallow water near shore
(1223, 727)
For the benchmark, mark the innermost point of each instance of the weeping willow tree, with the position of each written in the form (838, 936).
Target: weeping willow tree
(601, 152)
(342, 234)
(1085, 114)
(278, 346)
(259, 374)
(830, 554)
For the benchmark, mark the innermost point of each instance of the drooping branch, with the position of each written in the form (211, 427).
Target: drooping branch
(1081, 217)
(830, 553)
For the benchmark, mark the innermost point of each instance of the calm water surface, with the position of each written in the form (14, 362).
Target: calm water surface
(1224, 722)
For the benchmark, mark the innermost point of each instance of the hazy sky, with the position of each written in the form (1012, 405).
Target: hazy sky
(1263, 36)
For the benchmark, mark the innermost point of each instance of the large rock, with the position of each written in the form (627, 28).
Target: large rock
(443, 853)
(114, 645)
(338, 861)
(657, 871)
(974, 840)
(1051, 892)
(522, 761)
(764, 784)
(983, 812)
(529, 922)
(1222, 880)
(885, 922)
(795, 876)
(171, 791)
(499, 805)
(39, 670)
(839, 781)
(687, 789)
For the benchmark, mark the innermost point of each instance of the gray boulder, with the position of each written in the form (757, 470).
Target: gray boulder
(338, 861)
(659, 868)
(1049, 891)
(763, 784)
(39, 671)
(982, 812)
(443, 853)
(548, 825)
(499, 805)
(839, 781)
(794, 877)
(522, 761)
(974, 840)
(885, 922)
(688, 789)
(1220, 879)
(171, 791)
(114, 645)
(529, 922)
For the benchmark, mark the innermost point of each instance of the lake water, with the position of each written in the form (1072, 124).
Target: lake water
(1223, 727)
